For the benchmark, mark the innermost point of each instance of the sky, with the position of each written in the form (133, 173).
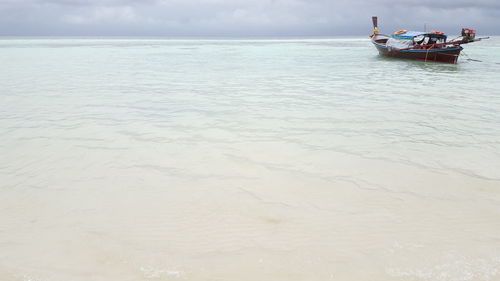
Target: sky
(242, 18)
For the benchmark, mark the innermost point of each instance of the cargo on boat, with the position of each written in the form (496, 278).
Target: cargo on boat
(424, 46)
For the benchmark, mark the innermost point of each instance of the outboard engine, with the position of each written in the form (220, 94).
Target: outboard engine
(468, 34)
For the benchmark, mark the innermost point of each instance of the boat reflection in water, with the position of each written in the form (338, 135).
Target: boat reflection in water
(423, 46)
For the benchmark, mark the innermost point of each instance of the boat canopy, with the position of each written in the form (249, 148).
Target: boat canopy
(408, 35)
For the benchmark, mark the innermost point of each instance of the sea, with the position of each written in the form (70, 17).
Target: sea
(133, 159)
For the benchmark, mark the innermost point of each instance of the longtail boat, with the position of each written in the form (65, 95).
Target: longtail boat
(424, 46)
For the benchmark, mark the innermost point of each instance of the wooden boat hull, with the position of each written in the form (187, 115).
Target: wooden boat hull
(445, 55)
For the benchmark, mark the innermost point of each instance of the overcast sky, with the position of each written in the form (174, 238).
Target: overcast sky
(241, 18)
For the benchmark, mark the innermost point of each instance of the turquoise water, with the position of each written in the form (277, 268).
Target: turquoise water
(138, 159)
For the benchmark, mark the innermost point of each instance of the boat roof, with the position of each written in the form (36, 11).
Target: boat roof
(411, 34)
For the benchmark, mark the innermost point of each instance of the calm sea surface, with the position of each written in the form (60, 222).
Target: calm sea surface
(245, 160)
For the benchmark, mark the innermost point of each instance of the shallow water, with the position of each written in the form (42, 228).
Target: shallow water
(152, 159)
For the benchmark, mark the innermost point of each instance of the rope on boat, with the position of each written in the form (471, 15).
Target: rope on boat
(427, 53)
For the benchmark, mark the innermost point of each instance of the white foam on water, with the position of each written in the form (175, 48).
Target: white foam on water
(456, 268)
(154, 273)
